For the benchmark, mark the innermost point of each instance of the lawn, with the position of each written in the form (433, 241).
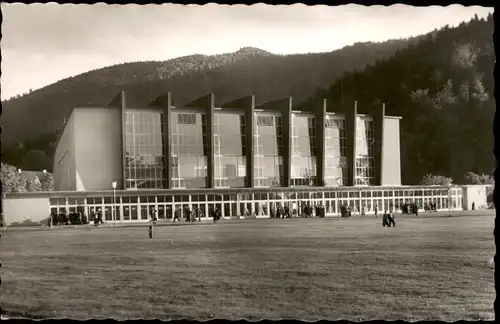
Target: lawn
(425, 268)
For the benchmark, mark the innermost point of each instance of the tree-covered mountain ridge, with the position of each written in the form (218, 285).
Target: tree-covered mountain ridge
(441, 84)
(443, 90)
(247, 71)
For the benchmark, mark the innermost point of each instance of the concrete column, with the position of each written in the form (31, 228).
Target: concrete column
(287, 141)
(210, 114)
(164, 104)
(123, 106)
(167, 134)
(350, 119)
(249, 136)
(320, 116)
(378, 130)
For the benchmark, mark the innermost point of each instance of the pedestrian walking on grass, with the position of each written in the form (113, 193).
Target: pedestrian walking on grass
(385, 219)
(391, 219)
(153, 216)
(177, 214)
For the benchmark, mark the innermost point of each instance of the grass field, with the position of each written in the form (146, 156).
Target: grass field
(425, 268)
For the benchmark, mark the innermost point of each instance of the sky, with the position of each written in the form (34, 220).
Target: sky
(45, 43)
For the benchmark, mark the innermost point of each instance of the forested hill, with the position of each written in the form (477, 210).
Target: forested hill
(443, 89)
(33, 118)
(247, 71)
(441, 84)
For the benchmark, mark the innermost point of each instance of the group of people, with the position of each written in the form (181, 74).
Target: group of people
(430, 207)
(278, 212)
(409, 209)
(388, 219)
(75, 218)
(63, 218)
(97, 217)
(194, 214)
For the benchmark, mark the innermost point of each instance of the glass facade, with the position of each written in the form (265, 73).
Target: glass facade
(303, 171)
(144, 149)
(189, 149)
(258, 202)
(365, 160)
(268, 150)
(336, 165)
(230, 150)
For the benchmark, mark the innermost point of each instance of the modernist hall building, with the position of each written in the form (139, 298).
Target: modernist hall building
(234, 156)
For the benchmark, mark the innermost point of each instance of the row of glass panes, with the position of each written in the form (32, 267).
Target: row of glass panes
(144, 128)
(335, 123)
(268, 208)
(188, 140)
(234, 166)
(149, 138)
(193, 150)
(354, 196)
(151, 122)
(143, 116)
(365, 181)
(365, 172)
(268, 182)
(335, 181)
(230, 147)
(146, 172)
(145, 183)
(268, 150)
(132, 151)
(144, 158)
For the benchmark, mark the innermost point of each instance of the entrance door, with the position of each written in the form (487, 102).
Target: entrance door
(144, 212)
(134, 213)
(126, 213)
(92, 211)
(182, 207)
(330, 207)
(161, 211)
(117, 214)
(245, 209)
(316, 203)
(226, 209)
(107, 213)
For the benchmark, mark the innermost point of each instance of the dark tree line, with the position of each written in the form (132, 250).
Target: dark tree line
(443, 89)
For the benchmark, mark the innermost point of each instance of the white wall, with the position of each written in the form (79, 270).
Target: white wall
(391, 158)
(98, 149)
(476, 194)
(26, 211)
(64, 159)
